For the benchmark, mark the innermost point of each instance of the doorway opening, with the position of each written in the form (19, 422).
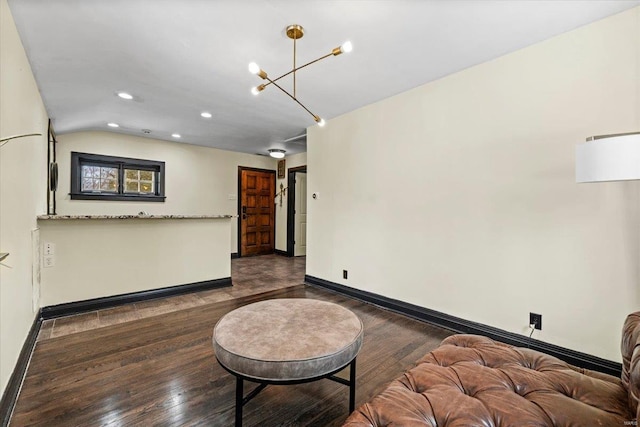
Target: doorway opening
(297, 211)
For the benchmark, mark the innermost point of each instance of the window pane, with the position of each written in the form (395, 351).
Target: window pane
(131, 187)
(146, 187)
(108, 173)
(131, 174)
(87, 184)
(112, 173)
(146, 175)
(87, 171)
(96, 171)
(108, 185)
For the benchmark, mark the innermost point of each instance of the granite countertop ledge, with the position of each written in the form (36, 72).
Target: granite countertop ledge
(74, 217)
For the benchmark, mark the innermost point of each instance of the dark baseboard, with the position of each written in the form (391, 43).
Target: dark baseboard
(463, 326)
(235, 255)
(282, 253)
(77, 307)
(10, 394)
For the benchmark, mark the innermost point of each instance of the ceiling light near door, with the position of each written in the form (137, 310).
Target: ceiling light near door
(276, 153)
(295, 32)
(125, 95)
(176, 135)
(206, 114)
(113, 125)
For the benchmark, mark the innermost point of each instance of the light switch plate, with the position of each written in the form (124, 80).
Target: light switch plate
(49, 248)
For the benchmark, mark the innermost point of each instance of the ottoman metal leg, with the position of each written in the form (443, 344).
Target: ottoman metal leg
(352, 385)
(239, 403)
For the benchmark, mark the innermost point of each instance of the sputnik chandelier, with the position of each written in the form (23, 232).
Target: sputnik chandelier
(294, 32)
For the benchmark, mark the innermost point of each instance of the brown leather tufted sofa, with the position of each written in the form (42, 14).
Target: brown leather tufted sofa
(474, 381)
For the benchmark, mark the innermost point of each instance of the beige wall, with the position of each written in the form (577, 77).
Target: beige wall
(281, 211)
(460, 196)
(23, 164)
(199, 180)
(98, 258)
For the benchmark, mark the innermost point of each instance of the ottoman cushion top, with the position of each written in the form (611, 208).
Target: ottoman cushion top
(287, 339)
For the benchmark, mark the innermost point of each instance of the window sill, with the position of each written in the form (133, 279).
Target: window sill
(117, 197)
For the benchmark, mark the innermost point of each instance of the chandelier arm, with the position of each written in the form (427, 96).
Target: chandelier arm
(296, 69)
(292, 97)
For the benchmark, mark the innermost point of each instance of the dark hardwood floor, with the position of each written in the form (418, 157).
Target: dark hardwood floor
(161, 369)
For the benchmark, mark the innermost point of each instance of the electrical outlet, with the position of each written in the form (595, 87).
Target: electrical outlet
(49, 248)
(535, 319)
(344, 274)
(48, 261)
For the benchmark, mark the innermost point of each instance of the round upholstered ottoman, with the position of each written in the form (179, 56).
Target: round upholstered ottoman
(287, 341)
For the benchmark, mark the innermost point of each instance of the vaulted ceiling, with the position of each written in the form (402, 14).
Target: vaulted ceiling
(179, 58)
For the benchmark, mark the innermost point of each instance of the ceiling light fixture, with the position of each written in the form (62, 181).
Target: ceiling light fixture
(175, 135)
(294, 32)
(113, 125)
(125, 95)
(206, 114)
(276, 153)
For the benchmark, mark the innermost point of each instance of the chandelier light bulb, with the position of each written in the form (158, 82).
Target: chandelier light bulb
(255, 91)
(254, 68)
(321, 123)
(346, 47)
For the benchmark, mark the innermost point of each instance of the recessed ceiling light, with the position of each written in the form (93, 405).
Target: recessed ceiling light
(125, 95)
(206, 114)
(175, 135)
(113, 125)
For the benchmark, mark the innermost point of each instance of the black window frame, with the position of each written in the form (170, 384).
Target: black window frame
(81, 159)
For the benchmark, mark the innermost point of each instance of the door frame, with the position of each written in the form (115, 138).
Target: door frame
(291, 206)
(239, 207)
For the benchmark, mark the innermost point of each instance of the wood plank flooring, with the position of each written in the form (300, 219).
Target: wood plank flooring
(161, 369)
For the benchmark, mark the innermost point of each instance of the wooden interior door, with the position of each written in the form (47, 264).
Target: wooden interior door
(257, 211)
